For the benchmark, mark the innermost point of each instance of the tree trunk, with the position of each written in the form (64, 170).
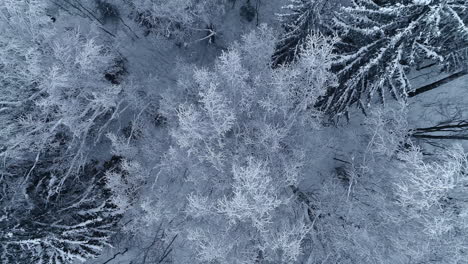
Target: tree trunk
(437, 84)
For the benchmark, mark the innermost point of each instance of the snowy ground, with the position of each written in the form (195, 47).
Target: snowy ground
(440, 105)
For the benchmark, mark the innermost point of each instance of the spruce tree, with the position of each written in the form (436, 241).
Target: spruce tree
(382, 40)
(39, 225)
(300, 18)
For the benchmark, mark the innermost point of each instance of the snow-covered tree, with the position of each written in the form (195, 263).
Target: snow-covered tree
(224, 184)
(300, 18)
(432, 191)
(253, 195)
(429, 194)
(386, 201)
(56, 91)
(44, 226)
(225, 161)
(176, 18)
(381, 40)
(55, 105)
(389, 129)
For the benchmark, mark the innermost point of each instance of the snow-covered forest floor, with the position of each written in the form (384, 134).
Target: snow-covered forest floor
(233, 131)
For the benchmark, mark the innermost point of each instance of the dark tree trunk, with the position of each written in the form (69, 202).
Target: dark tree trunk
(437, 84)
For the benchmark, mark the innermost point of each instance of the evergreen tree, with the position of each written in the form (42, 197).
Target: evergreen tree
(39, 225)
(301, 17)
(381, 40)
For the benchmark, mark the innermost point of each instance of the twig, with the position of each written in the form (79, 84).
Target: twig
(342, 160)
(147, 249)
(426, 66)
(129, 28)
(168, 249)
